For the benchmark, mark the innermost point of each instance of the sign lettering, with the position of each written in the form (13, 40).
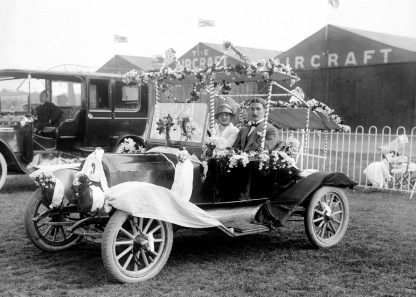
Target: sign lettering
(200, 57)
(351, 58)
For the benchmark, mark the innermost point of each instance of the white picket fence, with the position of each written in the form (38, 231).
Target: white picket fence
(351, 152)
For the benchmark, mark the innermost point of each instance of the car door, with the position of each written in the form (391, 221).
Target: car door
(131, 105)
(98, 124)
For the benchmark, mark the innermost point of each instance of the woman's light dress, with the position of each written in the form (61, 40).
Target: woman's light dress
(229, 133)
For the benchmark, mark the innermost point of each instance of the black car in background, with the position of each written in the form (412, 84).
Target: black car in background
(96, 109)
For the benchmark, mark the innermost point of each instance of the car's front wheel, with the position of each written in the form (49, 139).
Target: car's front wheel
(327, 216)
(46, 228)
(135, 249)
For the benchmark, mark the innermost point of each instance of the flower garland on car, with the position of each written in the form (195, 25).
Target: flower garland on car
(265, 68)
(277, 159)
(238, 159)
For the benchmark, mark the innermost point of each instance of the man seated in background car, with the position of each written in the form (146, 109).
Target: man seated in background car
(46, 114)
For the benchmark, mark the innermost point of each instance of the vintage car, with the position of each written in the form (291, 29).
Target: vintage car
(137, 234)
(96, 109)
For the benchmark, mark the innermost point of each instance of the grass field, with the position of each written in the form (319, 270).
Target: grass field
(376, 258)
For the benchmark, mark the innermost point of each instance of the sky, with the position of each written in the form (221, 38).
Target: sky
(46, 34)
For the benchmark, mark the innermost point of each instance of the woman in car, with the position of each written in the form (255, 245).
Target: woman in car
(225, 129)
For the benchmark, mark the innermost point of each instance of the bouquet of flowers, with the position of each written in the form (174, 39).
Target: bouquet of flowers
(291, 146)
(214, 145)
(46, 181)
(129, 146)
(83, 192)
(280, 160)
(264, 159)
(80, 183)
(164, 125)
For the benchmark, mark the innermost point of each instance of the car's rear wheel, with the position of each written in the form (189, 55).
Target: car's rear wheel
(43, 225)
(135, 249)
(3, 170)
(327, 216)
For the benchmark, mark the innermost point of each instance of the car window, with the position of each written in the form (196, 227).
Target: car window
(128, 97)
(99, 95)
(66, 93)
(15, 94)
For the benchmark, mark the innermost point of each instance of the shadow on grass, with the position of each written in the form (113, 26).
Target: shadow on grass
(18, 182)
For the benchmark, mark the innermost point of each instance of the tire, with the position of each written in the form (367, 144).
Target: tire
(48, 238)
(126, 257)
(326, 217)
(3, 170)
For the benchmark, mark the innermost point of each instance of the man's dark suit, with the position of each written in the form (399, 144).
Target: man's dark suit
(249, 143)
(48, 115)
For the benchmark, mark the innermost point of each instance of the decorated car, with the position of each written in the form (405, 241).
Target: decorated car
(79, 112)
(132, 202)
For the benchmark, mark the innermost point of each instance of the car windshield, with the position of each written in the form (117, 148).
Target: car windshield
(186, 123)
(21, 95)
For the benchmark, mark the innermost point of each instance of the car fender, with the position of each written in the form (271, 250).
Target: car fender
(13, 162)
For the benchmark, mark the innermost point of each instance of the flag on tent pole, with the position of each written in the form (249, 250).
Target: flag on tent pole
(120, 39)
(206, 23)
(334, 3)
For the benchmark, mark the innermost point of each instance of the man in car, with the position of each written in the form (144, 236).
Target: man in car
(46, 114)
(249, 138)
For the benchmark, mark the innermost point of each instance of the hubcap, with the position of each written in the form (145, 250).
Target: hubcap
(141, 243)
(328, 216)
(327, 211)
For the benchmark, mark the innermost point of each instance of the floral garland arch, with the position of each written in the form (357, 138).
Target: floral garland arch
(262, 68)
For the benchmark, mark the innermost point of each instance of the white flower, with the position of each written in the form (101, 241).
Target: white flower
(260, 133)
(220, 153)
(183, 155)
(235, 160)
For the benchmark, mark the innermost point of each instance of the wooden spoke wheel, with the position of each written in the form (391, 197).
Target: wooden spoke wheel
(135, 249)
(47, 228)
(3, 170)
(327, 217)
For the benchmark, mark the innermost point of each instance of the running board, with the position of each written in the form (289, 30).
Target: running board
(243, 228)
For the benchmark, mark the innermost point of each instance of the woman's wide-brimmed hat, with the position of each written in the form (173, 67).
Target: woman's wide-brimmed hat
(224, 107)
